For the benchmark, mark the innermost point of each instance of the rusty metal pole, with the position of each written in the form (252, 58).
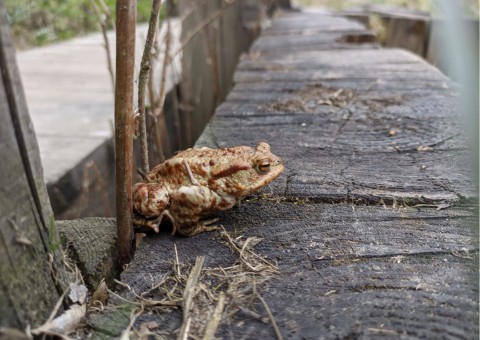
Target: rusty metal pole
(124, 119)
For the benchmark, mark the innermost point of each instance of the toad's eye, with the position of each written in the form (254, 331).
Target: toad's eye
(263, 166)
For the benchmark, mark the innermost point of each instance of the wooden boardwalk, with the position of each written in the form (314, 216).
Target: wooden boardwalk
(70, 98)
(371, 226)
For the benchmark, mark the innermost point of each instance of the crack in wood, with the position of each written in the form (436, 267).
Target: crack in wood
(393, 255)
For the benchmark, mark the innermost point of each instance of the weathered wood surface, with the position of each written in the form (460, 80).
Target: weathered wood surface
(32, 276)
(217, 33)
(307, 33)
(91, 243)
(371, 225)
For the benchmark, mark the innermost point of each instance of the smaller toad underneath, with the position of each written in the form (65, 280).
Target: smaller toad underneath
(199, 182)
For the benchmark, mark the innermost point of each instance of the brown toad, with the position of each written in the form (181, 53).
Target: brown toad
(199, 182)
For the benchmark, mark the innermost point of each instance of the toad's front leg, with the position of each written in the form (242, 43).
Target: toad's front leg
(150, 202)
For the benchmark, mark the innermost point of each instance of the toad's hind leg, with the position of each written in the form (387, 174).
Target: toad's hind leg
(199, 227)
(189, 204)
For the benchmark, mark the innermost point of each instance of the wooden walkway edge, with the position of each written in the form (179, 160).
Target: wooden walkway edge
(372, 225)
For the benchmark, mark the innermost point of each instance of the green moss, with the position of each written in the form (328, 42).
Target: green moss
(110, 322)
(54, 242)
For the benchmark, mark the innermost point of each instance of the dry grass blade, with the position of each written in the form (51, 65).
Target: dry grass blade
(188, 295)
(147, 302)
(207, 296)
(270, 315)
(57, 305)
(248, 257)
(133, 316)
(215, 318)
(177, 262)
(183, 334)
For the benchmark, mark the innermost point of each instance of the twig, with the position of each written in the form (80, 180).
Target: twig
(57, 305)
(201, 26)
(177, 262)
(165, 303)
(103, 26)
(153, 123)
(270, 315)
(123, 299)
(166, 63)
(124, 285)
(124, 121)
(54, 334)
(133, 316)
(159, 107)
(155, 286)
(241, 252)
(148, 302)
(107, 13)
(142, 80)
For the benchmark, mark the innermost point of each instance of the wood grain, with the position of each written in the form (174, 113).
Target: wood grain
(30, 285)
(372, 224)
(91, 243)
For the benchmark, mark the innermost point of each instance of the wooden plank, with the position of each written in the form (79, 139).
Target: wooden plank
(354, 267)
(209, 58)
(30, 282)
(91, 243)
(371, 225)
(408, 33)
(312, 34)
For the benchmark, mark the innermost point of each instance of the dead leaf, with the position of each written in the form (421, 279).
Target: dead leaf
(64, 323)
(78, 293)
(100, 294)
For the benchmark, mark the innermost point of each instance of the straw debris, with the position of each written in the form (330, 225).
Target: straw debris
(209, 297)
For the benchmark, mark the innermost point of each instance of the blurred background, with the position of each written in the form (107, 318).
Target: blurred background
(39, 22)
(470, 6)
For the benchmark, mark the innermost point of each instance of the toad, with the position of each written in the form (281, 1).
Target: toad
(198, 182)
